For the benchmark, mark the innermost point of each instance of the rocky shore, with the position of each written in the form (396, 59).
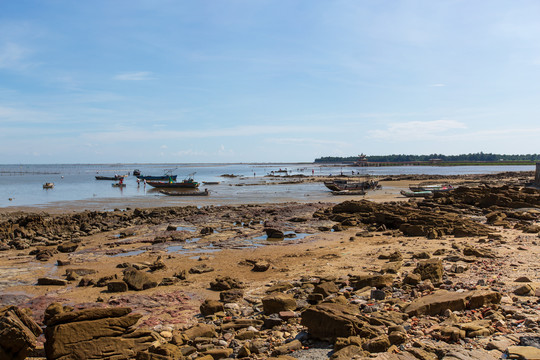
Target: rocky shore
(455, 276)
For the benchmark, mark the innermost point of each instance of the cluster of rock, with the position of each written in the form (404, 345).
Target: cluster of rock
(362, 315)
(445, 213)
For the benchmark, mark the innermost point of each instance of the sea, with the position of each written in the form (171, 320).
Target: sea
(22, 185)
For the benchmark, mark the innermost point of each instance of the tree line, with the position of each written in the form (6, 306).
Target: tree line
(474, 157)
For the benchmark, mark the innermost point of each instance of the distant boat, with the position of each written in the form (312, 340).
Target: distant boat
(211, 182)
(113, 178)
(339, 185)
(120, 185)
(432, 188)
(184, 184)
(349, 192)
(136, 172)
(423, 193)
(157, 178)
(48, 185)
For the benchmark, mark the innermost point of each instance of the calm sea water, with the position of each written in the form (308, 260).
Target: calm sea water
(23, 184)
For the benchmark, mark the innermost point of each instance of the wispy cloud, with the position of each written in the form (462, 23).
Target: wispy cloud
(135, 76)
(437, 85)
(414, 130)
(12, 56)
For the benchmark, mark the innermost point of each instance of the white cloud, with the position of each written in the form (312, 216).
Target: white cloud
(135, 76)
(415, 130)
(12, 56)
(437, 85)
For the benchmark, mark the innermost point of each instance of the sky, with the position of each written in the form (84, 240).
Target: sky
(183, 81)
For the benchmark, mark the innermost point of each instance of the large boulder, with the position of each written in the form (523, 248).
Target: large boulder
(333, 320)
(18, 333)
(138, 280)
(442, 300)
(277, 302)
(431, 269)
(99, 333)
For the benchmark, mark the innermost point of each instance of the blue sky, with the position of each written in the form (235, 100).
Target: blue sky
(106, 81)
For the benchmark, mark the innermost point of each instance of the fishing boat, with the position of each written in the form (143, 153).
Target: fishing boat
(423, 193)
(157, 178)
(184, 184)
(48, 185)
(339, 185)
(185, 193)
(211, 182)
(113, 178)
(119, 185)
(349, 192)
(136, 172)
(432, 188)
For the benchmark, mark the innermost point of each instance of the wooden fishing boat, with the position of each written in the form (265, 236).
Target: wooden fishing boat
(211, 182)
(424, 193)
(157, 178)
(339, 185)
(119, 185)
(113, 178)
(432, 187)
(185, 193)
(349, 192)
(48, 185)
(184, 184)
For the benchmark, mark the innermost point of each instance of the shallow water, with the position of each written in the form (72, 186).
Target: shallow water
(74, 182)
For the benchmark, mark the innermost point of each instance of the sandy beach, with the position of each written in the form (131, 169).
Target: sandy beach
(354, 260)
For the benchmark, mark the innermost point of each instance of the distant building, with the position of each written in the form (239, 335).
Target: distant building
(362, 160)
(435, 161)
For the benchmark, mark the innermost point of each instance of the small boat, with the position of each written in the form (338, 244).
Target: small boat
(349, 192)
(48, 185)
(184, 184)
(338, 185)
(211, 182)
(120, 185)
(423, 193)
(185, 193)
(157, 177)
(136, 172)
(113, 178)
(432, 188)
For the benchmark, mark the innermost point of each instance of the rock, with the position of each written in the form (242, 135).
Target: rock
(233, 295)
(158, 264)
(530, 341)
(273, 233)
(161, 352)
(478, 252)
(199, 331)
(219, 353)
(431, 269)
(67, 247)
(349, 352)
(524, 290)
(523, 352)
(207, 230)
(200, 269)
(277, 302)
(287, 348)
(138, 280)
(117, 286)
(441, 300)
(378, 281)
(51, 281)
(412, 279)
(225, 283)
(99, 333)
(18, 333)
(210, 307)
(377, 345)
(332, 320)
(326, 288)
(261, 266)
